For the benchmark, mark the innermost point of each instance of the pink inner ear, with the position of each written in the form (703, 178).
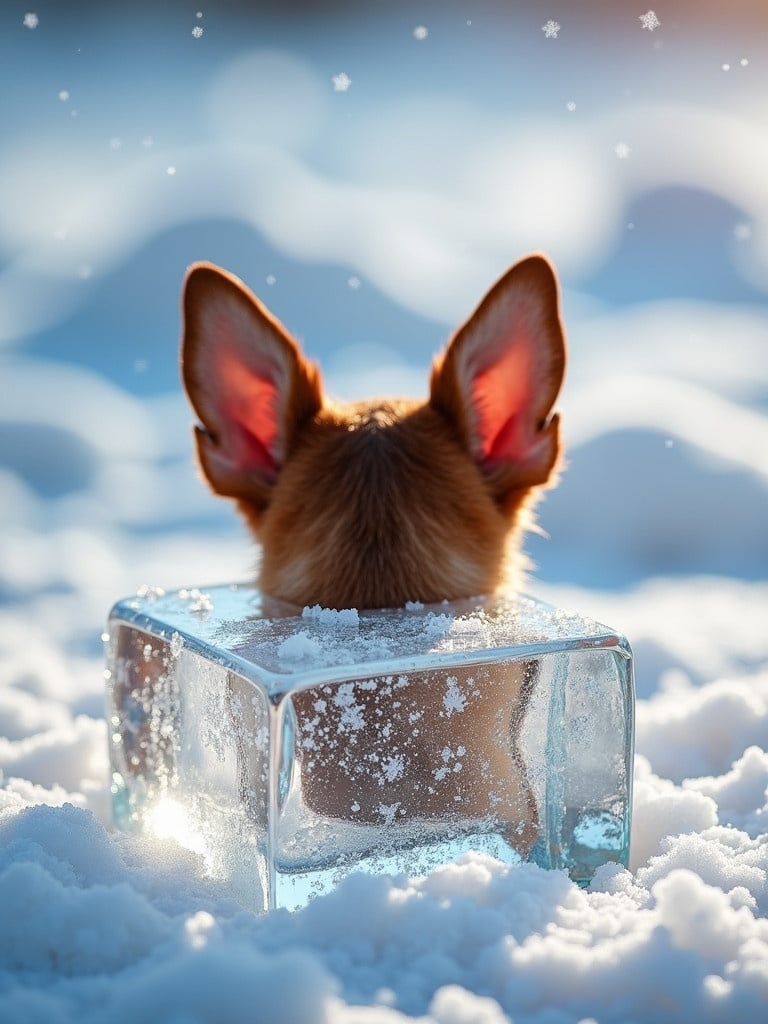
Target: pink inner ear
(501, 398)
(246, 403)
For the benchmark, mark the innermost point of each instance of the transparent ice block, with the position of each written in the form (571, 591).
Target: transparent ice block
(289, 748)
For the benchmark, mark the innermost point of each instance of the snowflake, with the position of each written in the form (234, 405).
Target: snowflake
(353, 282)
(170, 171)
(341, 82)
(550, 29)
(270, 279)
(31, 20)
(649, 20)
(197, 31)
(420, 32)
(116, 143)
(726, 67)
(570, 106)
(622, 150)
(199, 14)
(147, 142)
(63, 95)
(744, 61)
(742, 232)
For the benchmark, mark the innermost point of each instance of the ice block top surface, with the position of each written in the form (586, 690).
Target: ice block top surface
(284, 646)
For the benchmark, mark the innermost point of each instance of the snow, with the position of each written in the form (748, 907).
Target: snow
(667, 543)
(100, 926)
(341, 82)
(649, 21)
(331, 617)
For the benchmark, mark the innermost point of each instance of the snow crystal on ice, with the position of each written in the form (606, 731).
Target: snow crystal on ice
(297, 647)
(199, 602)
(177, 645)
(454, 699)
(331, 617)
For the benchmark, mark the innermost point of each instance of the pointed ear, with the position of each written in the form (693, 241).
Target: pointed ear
(247, 381)
(499, 377)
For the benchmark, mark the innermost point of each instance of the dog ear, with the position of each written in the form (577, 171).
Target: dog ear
(500, 375)
(247, 381)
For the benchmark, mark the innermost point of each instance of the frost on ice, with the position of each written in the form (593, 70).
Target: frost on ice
(454, 699)
(331, 617)
(550, 29)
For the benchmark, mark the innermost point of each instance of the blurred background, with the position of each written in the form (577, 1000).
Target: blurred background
(369, 170)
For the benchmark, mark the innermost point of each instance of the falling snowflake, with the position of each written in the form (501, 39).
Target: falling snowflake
(742, 232)
(420, 32)
(31, 20)
(649, 20)
(341, 82)
(726, 67)
(550, 29)
(199, 14)
(270, 279)
(622, 150)
(147, 142)
(63, 95)
(353, 282)
(744, 61)
(570, 105)
(197, 31)
(116, 143)
(170, 171)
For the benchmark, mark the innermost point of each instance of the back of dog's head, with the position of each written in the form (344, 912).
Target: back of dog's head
(379, 502)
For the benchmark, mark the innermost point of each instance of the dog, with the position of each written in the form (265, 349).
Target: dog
(380, 502)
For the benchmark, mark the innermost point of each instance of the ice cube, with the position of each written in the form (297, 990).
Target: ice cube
(289, 748)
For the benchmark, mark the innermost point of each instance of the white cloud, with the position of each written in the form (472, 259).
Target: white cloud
(431, 232)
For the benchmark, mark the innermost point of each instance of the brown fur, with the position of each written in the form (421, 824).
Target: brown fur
(379, 502)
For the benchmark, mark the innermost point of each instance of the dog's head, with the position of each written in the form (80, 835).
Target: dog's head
(378, 502)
